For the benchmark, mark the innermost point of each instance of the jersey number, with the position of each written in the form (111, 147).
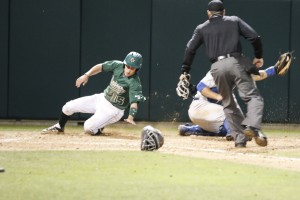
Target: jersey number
(117, 99)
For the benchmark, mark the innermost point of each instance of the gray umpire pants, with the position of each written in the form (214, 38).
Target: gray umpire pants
(231, 72)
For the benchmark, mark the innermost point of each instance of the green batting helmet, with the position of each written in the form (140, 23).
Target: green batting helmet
(134, 59)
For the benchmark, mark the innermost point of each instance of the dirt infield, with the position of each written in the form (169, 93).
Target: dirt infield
(127, 137)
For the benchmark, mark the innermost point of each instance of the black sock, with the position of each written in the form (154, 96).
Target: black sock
(63, 120)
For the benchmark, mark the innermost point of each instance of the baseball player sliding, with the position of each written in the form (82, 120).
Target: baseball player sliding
(124, 90)
(206, 110)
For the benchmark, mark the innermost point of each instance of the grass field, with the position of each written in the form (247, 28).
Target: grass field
(132, 174)
(137, 175)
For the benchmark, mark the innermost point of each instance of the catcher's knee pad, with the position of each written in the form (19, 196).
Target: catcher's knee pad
(151, 139)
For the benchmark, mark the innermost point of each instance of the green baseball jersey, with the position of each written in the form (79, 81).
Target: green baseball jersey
(122, 91)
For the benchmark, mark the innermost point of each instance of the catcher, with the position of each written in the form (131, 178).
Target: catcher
(124, 91)
(206, 111)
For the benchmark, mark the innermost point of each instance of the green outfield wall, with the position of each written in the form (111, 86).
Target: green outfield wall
(47, 44)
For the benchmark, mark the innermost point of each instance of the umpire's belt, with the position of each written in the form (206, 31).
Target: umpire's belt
(225, 56)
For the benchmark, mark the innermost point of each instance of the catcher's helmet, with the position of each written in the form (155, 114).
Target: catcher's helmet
(151, 139)
(134, 59)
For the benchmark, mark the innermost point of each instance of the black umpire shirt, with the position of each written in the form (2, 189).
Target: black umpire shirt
(221, 36)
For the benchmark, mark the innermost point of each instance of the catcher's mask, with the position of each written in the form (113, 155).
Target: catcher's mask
(183, 87)
(151, 139)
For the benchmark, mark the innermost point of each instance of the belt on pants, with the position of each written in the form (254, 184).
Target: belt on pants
(225, 56)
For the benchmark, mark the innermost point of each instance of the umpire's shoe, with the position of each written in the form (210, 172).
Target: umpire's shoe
(257, 134)
(240, 145)
(229, 137)
(53, 129)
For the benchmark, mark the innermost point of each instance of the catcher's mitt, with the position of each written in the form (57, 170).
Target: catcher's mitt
(283, 64)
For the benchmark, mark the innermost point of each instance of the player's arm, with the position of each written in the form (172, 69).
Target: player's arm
(135, 97)
(132, 113)
(263, 75)
(85, 77)
(207, 92)
(271, 71)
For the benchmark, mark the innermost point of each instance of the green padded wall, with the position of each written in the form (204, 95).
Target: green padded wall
(294, 94)
(173, 25)
(110, 30)
(46, 45)
(44, 57)
(275, 40)
(4, 35)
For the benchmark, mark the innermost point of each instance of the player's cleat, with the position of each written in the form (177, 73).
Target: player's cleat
(99, 132)
(53, 129)
(257, 134)
(187, 130)
(183, 131)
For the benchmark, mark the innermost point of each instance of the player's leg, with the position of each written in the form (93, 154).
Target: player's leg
(104, 115)
(226, 131)
(190, 129)
(209, 116)
(200, 114)
(83, 104)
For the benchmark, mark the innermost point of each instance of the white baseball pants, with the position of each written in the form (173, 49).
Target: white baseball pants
(104, 113)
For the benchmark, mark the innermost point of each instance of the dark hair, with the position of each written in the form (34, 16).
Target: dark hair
(215, 6)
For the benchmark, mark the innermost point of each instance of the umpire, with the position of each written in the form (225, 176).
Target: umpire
(220, 35)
